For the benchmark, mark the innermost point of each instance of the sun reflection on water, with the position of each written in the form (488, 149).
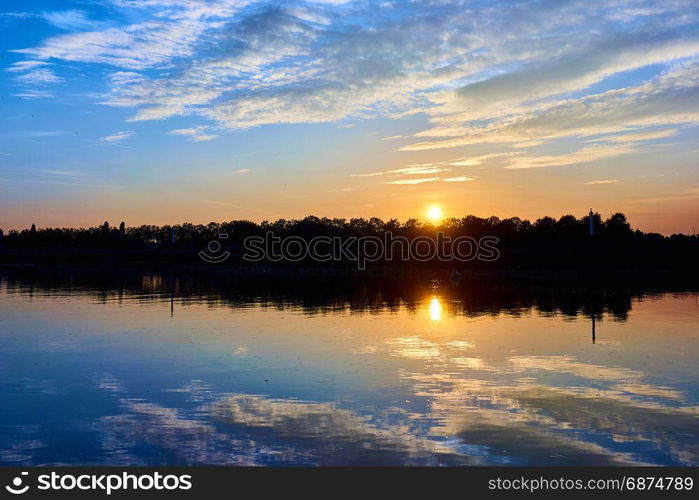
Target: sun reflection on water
(435, 309)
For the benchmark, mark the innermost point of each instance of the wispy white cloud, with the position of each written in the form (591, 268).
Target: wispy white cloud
(639, 136)
(242, 171)
(528, 144)
(603, 181)
(197, 134)
(430, 168)
(416, 169)
(458, 179)
(59, 172)
(172, 30)
(20, 66)
(671, 98)
(71, 20)
(584, 155)
(16, 15)
(117, 137)
(370, 174)
(34, 94)
(37, 134)
(41, 76)
(479, 160)
(413, 181)
(567, 72)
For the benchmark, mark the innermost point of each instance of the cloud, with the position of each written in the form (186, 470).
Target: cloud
(42, 76)
(37, 134)
(242, 171)
(414, 181)
(10, 19)
(197, 134)
(170, 32)
(418, 169)
(604, 181)
(371, 174)
(571, 71)
(671, 98)
(16, 15)
(70, 20)
(513, 72)
(640, 136)
(117, 137)
(430, 168)
(20, 66)
(60, 173)
(585, 155)
(33, 94)
(458, 179)
(478, 160)
(528, 144)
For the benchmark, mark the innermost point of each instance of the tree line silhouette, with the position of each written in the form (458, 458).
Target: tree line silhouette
(544, 241)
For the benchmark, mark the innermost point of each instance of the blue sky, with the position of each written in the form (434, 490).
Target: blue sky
(163, 111)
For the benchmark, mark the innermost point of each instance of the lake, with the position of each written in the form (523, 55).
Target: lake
(163, 369)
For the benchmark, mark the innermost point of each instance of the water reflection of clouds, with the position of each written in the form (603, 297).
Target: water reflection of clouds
(413, 347)
(468, 422)
(583, 417)
(25, 444)
(253, 430)
(111, 384)
(196, 390)
(460, 345)
(623, 380)
(568, 364)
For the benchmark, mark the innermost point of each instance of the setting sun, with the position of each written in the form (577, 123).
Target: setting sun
(435, 214)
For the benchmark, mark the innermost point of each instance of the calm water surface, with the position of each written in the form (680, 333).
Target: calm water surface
(156, 373)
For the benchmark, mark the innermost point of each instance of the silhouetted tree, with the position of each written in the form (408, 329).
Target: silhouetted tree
(617, 225)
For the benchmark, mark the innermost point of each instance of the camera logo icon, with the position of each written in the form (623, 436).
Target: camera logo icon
(16, 487)
(211, 254)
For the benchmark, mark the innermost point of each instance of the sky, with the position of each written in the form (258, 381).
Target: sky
(166, 111)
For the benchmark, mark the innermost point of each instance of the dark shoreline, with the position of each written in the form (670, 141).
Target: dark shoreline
(681, 278)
